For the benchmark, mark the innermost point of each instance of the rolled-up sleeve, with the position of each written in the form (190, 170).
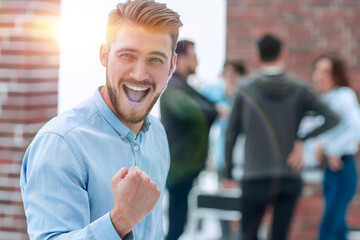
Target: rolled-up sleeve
(53, 185)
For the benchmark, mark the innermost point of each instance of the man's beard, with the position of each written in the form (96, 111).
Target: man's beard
(131, 117)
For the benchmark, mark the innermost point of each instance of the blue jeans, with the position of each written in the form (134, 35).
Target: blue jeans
(339, 189)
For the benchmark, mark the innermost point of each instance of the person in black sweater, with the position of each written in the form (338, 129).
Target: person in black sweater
(187, 117)
(268, 110)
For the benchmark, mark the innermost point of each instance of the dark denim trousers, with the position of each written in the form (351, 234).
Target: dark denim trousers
(178, 207)
(339, 189)
(281, 193)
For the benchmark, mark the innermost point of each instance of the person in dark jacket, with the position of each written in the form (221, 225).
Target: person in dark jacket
(187, 117)
(268, 110)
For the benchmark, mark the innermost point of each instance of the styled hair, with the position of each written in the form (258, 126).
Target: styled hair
(269, 47)
(238, 65)
(182, 47)
(149, 14)
(339, 72)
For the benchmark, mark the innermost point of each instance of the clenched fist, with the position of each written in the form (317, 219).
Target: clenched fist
(135, 195)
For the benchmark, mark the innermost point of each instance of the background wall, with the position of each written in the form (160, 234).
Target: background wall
(308, 28)
(29, 61)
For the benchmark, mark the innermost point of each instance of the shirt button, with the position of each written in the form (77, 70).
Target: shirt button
(122, 137)
(136, 148)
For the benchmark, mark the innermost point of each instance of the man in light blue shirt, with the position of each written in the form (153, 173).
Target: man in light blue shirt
(99, 170)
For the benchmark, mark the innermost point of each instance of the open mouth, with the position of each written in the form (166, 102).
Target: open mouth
(135, 93)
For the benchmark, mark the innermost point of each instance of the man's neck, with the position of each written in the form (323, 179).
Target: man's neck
(184, 74)
(273, 68)
(230, 91)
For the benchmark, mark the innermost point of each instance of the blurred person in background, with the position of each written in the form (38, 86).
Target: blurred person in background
(267, 110)
(98, 171)
(222, 95)
(187, 117)
(337, 147)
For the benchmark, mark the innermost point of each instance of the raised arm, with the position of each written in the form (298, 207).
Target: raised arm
(313, 103)
(54, 192)
(56, 199)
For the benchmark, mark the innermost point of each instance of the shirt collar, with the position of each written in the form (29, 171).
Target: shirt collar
(272, 70)
(112, 119)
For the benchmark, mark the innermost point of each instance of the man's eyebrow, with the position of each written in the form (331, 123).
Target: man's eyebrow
(159, 54)
(125, 50)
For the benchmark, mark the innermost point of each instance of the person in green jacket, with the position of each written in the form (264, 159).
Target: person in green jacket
(187, 117)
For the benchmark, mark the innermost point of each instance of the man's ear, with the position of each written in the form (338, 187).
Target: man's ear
(104, 54)
(173, 63)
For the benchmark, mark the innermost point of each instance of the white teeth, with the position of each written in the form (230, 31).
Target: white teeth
(135, 88)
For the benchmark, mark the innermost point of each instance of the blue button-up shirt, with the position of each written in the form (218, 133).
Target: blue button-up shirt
(66, 173)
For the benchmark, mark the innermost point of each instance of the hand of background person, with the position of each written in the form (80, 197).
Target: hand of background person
(135, 196)
(295, 159)
(319, 152)
(229, 183)
(335, 163)
(223, 111)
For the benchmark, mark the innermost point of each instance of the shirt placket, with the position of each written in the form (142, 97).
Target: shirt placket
(135, 147)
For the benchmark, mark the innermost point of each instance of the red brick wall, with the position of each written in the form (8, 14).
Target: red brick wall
(29, 62)
(309, 212)
(308, 28)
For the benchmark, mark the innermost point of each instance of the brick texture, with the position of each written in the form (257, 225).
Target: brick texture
(29, 62)
(308, 28)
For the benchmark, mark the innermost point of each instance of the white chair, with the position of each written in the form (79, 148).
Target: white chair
(221, 205)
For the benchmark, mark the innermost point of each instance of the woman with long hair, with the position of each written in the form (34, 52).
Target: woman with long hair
(337, 148)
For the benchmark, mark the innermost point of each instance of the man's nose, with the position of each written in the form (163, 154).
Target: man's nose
(139, 71)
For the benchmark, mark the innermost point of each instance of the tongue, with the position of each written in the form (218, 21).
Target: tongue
(135, 96)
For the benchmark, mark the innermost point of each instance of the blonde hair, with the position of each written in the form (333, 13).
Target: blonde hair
(144, 13)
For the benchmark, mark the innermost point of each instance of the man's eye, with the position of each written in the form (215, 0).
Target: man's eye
(156, 60)
(126, 55)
